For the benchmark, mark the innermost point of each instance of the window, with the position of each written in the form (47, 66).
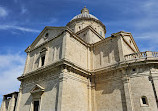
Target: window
(42, 60)
(134, 70)
(46, 35)
(36, 106)
(144, 101)
(36, 93)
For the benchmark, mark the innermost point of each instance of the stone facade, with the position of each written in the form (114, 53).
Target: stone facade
(75, 68)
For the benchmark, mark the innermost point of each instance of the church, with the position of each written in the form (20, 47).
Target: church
(77, 68)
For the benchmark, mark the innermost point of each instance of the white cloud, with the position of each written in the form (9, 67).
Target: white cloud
(11, 67)
(147, 41)
(7, 27)
(148, 35)
(3, 12)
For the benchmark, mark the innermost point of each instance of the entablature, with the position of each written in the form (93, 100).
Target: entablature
(61, 64)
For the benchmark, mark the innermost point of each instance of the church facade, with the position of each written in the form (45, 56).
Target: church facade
(77, 68)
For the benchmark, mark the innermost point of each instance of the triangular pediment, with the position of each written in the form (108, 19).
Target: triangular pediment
(91, 29)
(47, 34)
(37, 88)
(129, 42)
(89, 35)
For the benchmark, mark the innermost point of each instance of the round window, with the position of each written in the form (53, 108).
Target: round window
(46, 35)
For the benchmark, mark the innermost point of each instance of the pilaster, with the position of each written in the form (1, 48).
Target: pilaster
(19, 99)
(154, 81)
(93, 96)
(127, 90)
(26, 63)
(60, 89)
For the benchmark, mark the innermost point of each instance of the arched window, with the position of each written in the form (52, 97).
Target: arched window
(144, 101)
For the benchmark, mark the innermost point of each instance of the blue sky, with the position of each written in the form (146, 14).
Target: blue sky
(22, 20)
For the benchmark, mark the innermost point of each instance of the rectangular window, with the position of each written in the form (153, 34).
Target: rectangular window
(36, 106)
(42, 60)
(144, 101)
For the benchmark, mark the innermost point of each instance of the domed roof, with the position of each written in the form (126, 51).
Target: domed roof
(84, 14)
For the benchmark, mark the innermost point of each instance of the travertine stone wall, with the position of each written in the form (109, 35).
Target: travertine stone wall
(110, 94)
(50, 81)
(82, 57)
(52, 54)
(75, 93)
(106, 53)
(89, 36)
(140, 85)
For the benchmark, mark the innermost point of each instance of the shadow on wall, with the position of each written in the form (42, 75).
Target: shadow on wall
(112, 48)
(49, 87)
(113, 92)
(108, 51)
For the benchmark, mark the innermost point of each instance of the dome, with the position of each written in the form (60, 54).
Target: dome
(85, 14)
(85, 19)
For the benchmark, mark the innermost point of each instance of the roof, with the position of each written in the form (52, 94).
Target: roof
(10, 94)
(84, 14)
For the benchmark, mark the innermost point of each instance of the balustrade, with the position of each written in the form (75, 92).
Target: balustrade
(139, 55)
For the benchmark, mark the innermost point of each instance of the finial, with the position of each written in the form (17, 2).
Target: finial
(85, 10)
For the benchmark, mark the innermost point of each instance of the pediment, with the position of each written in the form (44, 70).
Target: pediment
(90, 28)
(89, 35)
(129, 42)
(47, 34)
(37, 89)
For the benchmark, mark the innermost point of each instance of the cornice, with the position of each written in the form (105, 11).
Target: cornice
(128, 45)
(60, 63)
(125, 64)
(67, 29)
(84, 72)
